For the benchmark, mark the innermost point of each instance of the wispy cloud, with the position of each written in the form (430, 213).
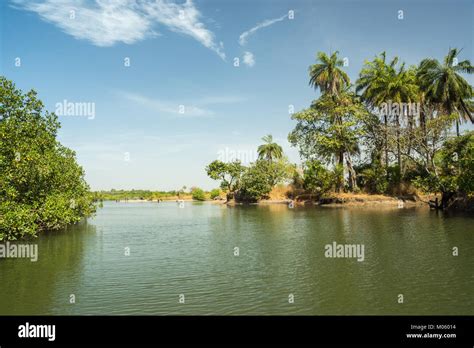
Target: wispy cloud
(266, 23)
(105, 23)
(165, 107)
(249, 59)
(185, 19)
(188, 108)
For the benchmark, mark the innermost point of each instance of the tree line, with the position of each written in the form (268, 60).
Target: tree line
(387, 133)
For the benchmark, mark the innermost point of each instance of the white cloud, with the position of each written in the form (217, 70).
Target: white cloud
(266, 23)
(249, 59)
(105, 23)
(185, 19)
(176, 109)
(187, 108)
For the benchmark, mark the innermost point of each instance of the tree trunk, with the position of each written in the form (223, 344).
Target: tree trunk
(457, 128)
(340, 162)
(399, 155)
(386, 144)
(425, 136)
(352, 174)
(446, 198)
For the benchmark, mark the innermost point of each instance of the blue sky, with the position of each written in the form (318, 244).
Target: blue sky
(182, 59)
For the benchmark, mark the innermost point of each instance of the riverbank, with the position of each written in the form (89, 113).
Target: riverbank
(347, 199)
(167, 199)
(330, 200)
(361, 199)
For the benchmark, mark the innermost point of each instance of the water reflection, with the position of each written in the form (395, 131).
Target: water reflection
(190, 251)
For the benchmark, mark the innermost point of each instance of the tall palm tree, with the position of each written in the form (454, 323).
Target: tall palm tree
(269, 150)
(372, 82)
(381, 82)
(443, 85)
(327, 74)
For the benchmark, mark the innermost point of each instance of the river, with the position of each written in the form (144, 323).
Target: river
(204, 258)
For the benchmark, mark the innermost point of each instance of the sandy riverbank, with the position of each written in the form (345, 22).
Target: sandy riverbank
(331, 200)
(350, 199)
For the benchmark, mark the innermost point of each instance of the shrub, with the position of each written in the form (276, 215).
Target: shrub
(317, 179)
(256, 182)
(198, 194)
(215, 193)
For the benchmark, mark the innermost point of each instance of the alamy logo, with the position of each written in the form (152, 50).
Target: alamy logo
(335, 250)
(230, 155)
(20, 251)
(37, 331)
(67, 108)
(400, 109)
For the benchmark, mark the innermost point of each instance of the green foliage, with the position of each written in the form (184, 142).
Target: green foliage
(41, 185)
(455, 163)
(17, 221)
(317, 179)
(121, 195)
(373, 178)
(443, 84)
(269, 150)
(297, 178)
(381, 82)
(215, 193)
(366, 141)
(330, 127)
(198, 194)
(228, 173)
(257, 182)
(327, 74)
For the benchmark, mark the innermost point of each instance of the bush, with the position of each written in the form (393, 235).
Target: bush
(256, 182)
(198, 194)
(17, 221)
(455, 163)
(317, 179)
(372, 178)
(215, 193)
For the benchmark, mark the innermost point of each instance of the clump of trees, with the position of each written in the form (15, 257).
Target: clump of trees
(390, 130)
(215, 193)
(387, 133)
(198, 194)
(252, 183)
(41, 185)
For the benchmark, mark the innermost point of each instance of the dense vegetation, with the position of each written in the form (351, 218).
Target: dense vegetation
(255, 182)
(195, 193)
(389, 133)
(41, 185)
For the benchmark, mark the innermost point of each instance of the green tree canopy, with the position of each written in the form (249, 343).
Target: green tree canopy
(41, 185)
(270, 150)
(443, 84)
(327, 74)
(228, 173)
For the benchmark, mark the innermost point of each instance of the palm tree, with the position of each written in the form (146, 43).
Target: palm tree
(381, 82)
(373, 79)
(269, 150)
(443, 85)
(327, 75)
(331, 80)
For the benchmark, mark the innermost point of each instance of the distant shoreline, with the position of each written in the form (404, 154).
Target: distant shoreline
(334, 200)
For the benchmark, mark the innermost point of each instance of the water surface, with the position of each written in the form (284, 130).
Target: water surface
(190, 251)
